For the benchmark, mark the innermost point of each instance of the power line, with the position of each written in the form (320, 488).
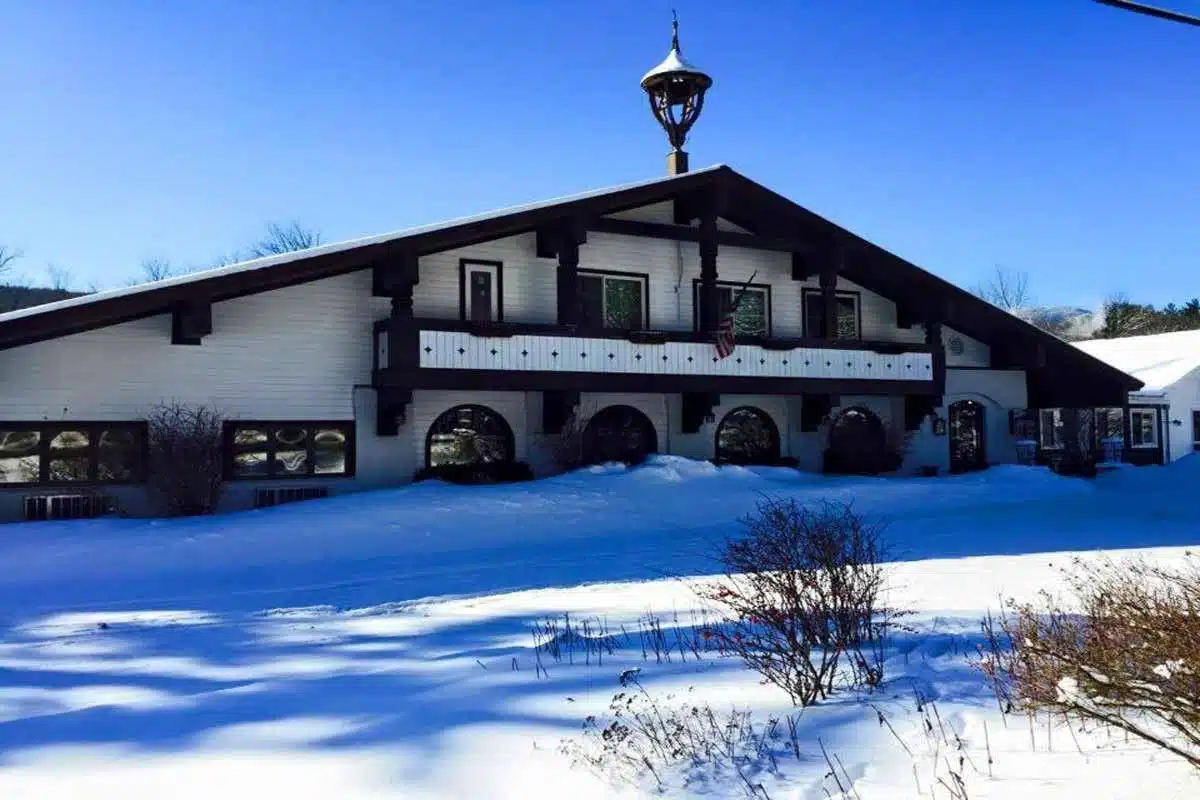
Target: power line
(1151, 11)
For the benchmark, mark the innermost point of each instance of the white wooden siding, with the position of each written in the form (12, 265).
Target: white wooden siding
(530, 284)
(293, 353)
(974, 352)
(460, 350)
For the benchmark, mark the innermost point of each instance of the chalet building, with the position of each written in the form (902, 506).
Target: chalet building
(699, 314)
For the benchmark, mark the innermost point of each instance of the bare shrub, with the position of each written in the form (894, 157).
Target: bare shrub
(185, 458)
(677, 740)
(802, 591)
(567, 445)
(1123, 650)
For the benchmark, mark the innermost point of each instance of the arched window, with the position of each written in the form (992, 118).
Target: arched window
(468, 434)
(618, 433)
(857, 443)
(747, 435)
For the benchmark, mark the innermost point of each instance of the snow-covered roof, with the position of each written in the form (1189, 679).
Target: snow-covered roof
(1158, 360)
(285, 258)
(673, 63)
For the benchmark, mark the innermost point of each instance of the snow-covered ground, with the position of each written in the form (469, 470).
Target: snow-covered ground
(381, 645)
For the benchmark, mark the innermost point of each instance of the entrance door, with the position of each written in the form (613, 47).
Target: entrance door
(480, 296)
(618, 433)
(967, 448)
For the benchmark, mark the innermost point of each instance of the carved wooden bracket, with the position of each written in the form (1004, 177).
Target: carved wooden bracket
(191, 321)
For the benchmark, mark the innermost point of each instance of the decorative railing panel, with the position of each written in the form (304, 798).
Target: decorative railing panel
(462, 350)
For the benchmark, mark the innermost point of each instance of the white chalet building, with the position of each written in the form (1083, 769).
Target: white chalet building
(359, 365)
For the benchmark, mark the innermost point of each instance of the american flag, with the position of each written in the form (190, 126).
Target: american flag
(726, 338)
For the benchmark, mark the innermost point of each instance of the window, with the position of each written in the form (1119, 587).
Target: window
(613, 300)
(1143, 427)
(1110, 425)
(72, 453)
(747, 435)
(469, 434)
(847, 315)
(753, 315)
(266, 450)
(1196, 430)
(1050, 424)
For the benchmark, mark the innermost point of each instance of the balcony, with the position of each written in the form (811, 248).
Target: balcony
(453, 354)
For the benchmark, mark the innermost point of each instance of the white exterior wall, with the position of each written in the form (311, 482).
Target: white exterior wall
(1184, 398)
(999, 391)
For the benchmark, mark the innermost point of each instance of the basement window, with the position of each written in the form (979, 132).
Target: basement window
(57, 454)
(272, 450)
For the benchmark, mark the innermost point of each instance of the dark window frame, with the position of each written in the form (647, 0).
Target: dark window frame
(776, 443)
(464, 265)
(856, 296)
(510, 439)
(270, 448)
(1196, 429)
(735, 285)
(644, 277)
(48, 430)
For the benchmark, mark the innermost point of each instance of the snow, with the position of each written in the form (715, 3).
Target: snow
(269, 262)
(1159, 360)
(380, 645)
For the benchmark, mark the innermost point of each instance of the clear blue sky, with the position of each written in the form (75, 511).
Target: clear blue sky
(1060, 137)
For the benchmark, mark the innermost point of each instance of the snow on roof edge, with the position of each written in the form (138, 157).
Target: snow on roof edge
(268, 262)
(1159, 360)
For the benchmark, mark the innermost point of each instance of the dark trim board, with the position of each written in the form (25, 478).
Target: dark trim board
(534, 380)
(686, 233)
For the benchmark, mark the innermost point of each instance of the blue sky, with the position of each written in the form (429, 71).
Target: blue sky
(1058, 137)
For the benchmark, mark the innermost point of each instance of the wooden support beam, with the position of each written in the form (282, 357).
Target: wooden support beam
(802, 267)
(391, 409)
(688, 233)
(696, 409)
(395, 276)
(829, 305)
(557, 407)
(708, 244)
(191, 321)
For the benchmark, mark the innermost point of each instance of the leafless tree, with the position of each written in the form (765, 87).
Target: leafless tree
(8, 255)
(156, 269)
(1006, 289)
(60, 277)
(284, 239)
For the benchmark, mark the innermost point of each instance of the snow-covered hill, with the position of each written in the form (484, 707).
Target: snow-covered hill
(380, 645)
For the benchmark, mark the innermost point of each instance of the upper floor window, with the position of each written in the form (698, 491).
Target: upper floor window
(75, 452)
(613, 300)
(289, 449)
(849, 323)
(752, 317)
(1143, 427)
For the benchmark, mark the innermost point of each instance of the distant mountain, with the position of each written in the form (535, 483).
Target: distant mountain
(1067, 322)
(14, 297)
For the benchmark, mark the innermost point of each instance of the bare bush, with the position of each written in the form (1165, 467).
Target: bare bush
(802, 591)
(567, 445)
(185, 458)
(644, 737)
(1123, 650)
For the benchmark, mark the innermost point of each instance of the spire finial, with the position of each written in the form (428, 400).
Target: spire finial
(674, 31)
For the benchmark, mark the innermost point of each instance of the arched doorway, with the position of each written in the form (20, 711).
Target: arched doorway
(967, 447)
(618, 433)
(468, 434)
(747, 435)
(857, 444)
